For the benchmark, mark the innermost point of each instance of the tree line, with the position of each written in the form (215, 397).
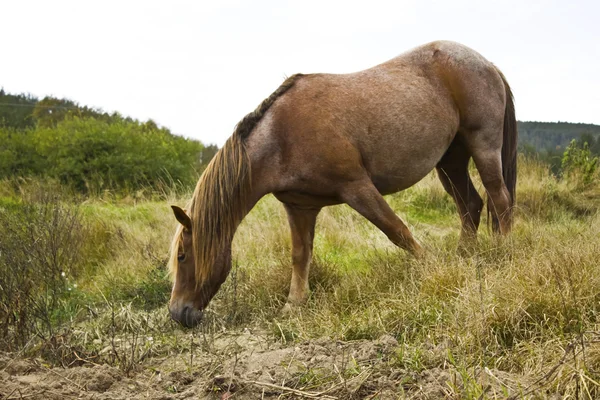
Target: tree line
(551, 142)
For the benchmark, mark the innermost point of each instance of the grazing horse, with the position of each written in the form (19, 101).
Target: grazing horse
(324, 139)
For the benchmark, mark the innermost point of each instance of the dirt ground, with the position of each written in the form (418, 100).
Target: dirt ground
(247, 366)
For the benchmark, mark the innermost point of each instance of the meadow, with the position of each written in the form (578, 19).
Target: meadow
(85, 289)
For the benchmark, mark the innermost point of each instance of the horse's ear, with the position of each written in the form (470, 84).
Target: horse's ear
(182, 217)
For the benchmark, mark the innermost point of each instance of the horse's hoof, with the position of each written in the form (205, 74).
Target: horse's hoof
(418, 252)
(288, 309)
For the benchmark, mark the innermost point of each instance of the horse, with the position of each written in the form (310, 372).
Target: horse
(325, 139)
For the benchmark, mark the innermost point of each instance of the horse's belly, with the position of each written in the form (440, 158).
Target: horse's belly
(396, 168)
(392, 182)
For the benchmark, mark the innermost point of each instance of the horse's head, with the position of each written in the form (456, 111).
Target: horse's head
(190, 295)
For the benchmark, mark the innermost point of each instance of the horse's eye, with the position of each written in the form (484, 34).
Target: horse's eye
(181, 257)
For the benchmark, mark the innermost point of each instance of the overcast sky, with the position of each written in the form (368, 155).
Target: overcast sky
(197, 67)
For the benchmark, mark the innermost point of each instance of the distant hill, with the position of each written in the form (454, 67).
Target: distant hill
(553, 136)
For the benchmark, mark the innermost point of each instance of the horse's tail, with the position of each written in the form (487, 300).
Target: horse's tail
(509, 153)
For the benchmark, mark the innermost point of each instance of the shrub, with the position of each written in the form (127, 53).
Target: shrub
(39, 255)
(578, 162)
(94, 155)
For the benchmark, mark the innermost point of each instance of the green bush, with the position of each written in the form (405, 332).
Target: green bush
(94, 155)
(18, 155)
(578, 161)
(39, 259)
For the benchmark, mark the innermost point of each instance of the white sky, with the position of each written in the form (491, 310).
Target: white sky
(197, 67)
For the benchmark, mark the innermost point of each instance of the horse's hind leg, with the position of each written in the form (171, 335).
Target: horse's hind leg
(485, 145)
(454, 175)
(302, 225)
(366, 199)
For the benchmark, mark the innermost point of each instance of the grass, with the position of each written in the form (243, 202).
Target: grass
(523, 304)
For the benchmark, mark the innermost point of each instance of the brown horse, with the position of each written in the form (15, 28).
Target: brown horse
(324, 139)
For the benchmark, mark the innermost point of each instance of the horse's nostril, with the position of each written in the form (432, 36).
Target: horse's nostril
(186, 316)
(183, 317)
(179, 314)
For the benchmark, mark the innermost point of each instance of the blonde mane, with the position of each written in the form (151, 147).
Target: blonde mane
(173, 251)
(221, 195)
(218, 204)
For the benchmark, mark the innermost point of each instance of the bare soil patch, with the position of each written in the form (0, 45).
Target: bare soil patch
(249, 366)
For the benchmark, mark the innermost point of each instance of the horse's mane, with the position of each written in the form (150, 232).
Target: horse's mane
(220, 198)
(174, 251)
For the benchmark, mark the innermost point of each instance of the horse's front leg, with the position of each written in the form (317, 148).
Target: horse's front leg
(302, 225)
(362, 196)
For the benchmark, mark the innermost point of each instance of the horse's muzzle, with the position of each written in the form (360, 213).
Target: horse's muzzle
(187, 316)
